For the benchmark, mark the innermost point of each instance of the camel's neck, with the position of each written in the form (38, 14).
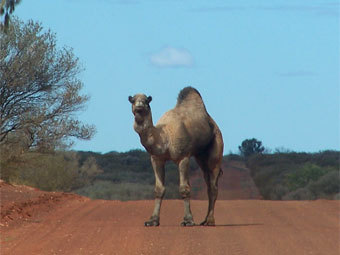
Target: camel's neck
(146, 130)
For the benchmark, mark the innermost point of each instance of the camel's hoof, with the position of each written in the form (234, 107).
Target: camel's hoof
(152, 223)
(208, 223)
(188, 224)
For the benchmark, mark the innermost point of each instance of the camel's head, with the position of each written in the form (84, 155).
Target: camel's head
(140, 104)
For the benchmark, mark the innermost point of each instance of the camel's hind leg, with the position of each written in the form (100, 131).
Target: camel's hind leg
(210, 162)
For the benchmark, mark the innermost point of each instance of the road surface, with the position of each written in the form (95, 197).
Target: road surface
(83, 226)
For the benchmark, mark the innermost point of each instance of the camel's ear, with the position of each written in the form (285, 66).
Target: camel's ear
(131, 99)
(149, 99)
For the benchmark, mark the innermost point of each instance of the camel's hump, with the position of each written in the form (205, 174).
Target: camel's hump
(188, 92)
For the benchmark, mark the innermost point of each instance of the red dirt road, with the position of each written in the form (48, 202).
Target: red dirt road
(82, 226)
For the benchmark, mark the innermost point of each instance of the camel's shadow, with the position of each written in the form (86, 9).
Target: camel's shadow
(217, 225)
(237, 225)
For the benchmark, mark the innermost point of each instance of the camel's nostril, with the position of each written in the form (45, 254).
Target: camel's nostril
(139, 104)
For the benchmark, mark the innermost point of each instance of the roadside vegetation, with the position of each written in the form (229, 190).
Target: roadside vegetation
(40, 98)
(296, 176)
(129, 175)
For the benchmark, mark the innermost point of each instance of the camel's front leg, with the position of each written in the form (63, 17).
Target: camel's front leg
(158, 167)
(184, 189)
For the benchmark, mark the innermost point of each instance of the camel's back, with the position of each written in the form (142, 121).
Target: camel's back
(189, 108)
(189, 121)
(190, 100)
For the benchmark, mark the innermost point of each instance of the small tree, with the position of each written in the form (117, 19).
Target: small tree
(250, 147)
(39, 91)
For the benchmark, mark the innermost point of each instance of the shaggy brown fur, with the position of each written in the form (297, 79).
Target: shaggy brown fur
(185, 131)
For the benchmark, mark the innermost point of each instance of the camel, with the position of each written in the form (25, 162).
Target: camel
(185, 131)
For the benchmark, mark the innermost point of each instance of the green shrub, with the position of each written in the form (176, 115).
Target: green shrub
(296, 175)
(59, 171)
(302, 176)
(327, 184)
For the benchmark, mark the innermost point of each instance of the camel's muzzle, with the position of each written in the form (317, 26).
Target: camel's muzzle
(139, 109)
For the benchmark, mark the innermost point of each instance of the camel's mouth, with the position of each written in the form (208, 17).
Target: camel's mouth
(139, 109)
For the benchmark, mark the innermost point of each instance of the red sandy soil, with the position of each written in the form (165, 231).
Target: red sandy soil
(36, 222)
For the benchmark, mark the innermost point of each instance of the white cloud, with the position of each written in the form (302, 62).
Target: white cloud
(172, 57)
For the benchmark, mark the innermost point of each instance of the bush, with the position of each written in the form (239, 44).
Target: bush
(59, 171)
(337, 196)
(302, 176)
(266, 181)
(327, 184)
(326, 158)
(278, 192)
(300, 194)
(296, 175)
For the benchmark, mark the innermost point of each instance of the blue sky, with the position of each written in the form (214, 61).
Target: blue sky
(265, 69)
